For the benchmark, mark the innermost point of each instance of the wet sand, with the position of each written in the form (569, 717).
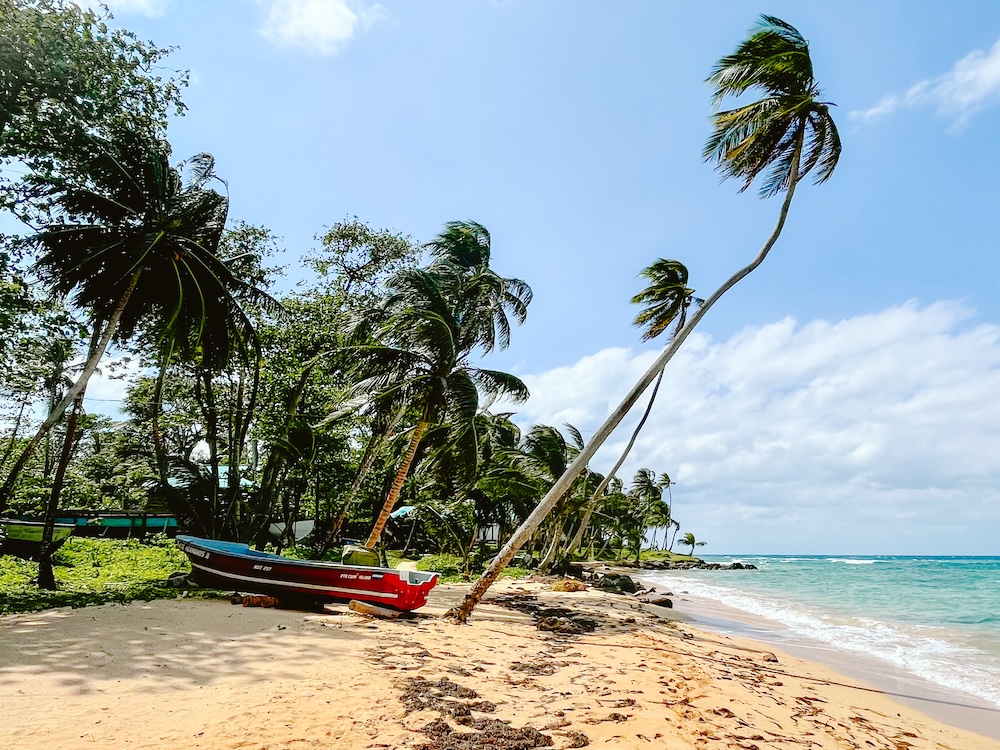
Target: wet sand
(207, 674)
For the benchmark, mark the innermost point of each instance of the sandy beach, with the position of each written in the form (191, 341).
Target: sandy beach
(208, 674)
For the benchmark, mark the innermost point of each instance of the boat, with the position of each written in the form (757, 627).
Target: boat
(230, 565)
(23, 538)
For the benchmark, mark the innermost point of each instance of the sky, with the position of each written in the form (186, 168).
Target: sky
(840, 400)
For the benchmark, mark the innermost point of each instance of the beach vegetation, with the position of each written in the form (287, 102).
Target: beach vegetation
(96, 571)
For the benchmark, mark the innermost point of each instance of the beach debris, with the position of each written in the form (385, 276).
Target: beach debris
(488, 734)
(258, 600)
(568, 584)
(614, 716)
(458, 702)
(564, 625)
(373, 610)
(541, 668)
(576, 738)
(529, 604)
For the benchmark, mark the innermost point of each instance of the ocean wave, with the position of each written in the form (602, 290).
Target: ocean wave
(919, 651)
(848, 561)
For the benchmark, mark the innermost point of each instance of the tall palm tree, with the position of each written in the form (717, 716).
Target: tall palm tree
(783, 136)
(432, 322)
(135, 244)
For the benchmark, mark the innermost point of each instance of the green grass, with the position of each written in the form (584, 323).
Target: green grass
(452, 571)
(96, 571)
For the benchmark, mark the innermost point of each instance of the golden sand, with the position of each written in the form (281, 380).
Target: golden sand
(191, 674)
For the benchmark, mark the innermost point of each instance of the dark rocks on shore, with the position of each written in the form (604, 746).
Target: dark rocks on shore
(696, 565)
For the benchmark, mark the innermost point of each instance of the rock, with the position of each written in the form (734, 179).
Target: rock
(609, 583)
(660, 601)
(626, 584)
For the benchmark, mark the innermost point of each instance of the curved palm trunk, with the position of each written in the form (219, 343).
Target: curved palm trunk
(562, 485)
(575, 542)
(78, 387)
(397, 483)
(159, 450)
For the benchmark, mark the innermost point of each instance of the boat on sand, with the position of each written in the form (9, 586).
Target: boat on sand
(24, 538)
(231, 565)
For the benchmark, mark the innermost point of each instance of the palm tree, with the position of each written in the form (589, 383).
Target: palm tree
(136, 245)
(688, 540)
(432, 322)
(667, 298)
(783, 136)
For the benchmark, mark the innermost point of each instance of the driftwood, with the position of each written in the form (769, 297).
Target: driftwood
(373, 610)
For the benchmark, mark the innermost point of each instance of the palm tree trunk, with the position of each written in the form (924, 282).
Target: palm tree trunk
(461, 612)
(374, 447)
(46, 575)
(550, 553)
(159, 451)
(397, 483)
(13, 434)
(584, 523)
(79, 386)
(635, 433)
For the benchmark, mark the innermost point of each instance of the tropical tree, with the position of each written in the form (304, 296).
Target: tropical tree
(688, 540)
(667, 299)
(430, 326)
(781, 137)
(66, 76)
(136, 245)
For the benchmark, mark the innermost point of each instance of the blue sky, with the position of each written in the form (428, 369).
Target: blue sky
(842, 399)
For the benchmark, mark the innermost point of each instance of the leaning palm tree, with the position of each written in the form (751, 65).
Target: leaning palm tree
(136, 245)
(781, 137)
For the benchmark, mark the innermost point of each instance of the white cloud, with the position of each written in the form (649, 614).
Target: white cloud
(323, 27)
(971, 85)
(870, 434)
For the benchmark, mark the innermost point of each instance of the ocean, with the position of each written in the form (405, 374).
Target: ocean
(932, 621)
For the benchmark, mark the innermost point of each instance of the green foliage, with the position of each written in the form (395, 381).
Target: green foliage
(65, 76)
(449, 566)
(452, 568)
(95, 571)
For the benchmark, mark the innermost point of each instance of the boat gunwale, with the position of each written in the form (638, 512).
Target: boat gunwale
(402, 575)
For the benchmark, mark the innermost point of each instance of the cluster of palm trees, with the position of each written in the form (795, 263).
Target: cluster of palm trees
(393, 402)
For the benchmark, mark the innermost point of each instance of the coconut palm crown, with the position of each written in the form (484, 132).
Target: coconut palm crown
(666, 298)
(789, 130)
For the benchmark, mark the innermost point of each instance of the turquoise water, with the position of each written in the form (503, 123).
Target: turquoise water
(937, 618)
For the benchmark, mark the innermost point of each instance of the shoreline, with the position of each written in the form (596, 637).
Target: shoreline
(192, 673)
(951, 707)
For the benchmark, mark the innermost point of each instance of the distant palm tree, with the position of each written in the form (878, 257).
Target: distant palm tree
(783, 136)
(688, 540)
